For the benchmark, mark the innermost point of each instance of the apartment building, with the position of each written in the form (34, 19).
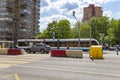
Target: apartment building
(19, 19)
(91, 11)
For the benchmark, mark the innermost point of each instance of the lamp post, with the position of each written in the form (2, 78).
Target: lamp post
(58, 40)
(78, 29)
(90, 35)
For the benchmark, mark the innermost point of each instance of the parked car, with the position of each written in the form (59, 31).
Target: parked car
(114, 47)
(43, 48)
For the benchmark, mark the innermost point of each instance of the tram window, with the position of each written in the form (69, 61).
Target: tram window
(94, 43)
(22, 44)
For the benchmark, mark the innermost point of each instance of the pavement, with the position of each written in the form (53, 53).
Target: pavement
(45, 67)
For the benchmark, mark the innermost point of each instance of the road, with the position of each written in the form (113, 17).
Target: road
(44, 67)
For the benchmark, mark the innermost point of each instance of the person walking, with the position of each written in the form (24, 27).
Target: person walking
(117, 49)
(68, 46)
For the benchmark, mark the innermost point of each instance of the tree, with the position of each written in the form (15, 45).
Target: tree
(61, 27)
(99, 25)
(84, 30)
(52, 27)
(39, 35)
(64, 29)
(110, 32)
(113, 32)
(117, 32)
(75, 30)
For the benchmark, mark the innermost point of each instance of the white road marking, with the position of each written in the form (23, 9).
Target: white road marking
(8, 61)
(74, 71)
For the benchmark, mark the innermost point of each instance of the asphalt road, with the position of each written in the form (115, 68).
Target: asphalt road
(44, 67)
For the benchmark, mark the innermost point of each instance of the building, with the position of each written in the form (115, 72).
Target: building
(91, 11)
(19, 19)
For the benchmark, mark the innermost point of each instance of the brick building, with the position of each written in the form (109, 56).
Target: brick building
(91, 11)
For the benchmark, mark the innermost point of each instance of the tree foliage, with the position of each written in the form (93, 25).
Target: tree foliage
(62, 29)
(98, 26)
(84, 30)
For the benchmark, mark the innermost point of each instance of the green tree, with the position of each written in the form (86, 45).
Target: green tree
(50, 29)
(117, 32)
(61, 27)
(84, 30)
(110, 32)
(99, 25)
(113, 32)
(39, 35)
(64, 29)
(75, 31)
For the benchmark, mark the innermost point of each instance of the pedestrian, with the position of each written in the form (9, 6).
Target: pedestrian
(68, 46)
(117, 49)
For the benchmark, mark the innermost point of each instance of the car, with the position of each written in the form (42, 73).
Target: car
(114, 47)
(43, 48)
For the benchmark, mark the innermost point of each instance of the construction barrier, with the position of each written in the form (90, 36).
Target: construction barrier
(3, 51)
(74, 53)
(96, 52)
(14, 51)
(58, 53)
(1, 46)
(6, 51)
(22, 51)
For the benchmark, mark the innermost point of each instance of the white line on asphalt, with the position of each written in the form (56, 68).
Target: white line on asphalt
(74, 71)
(6, 76)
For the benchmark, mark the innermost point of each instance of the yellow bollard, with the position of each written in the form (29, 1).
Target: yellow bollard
(1, 46)
(96, 52)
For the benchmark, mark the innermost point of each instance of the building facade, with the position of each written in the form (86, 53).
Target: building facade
(91, 11)
(19, 19)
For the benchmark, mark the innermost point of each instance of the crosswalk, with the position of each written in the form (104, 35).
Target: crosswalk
(7, 61)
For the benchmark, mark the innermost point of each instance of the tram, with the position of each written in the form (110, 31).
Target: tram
(61, 43)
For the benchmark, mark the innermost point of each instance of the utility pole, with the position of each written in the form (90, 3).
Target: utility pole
(16, 21)
(90, 35)
(78, 29)
(58, 41)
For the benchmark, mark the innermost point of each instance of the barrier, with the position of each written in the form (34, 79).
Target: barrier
(74, 53)
(96, 52)
(22, 51)
(3, 51)
(58, 53)
(14, 52)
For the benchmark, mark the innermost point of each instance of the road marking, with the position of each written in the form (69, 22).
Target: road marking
(5, 65)
(74, 71)
(17, 59)
(16, 76)
(8, 61)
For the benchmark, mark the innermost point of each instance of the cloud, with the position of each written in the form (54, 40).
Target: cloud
(62, 9)
(44, 3)
(45, 21)
(69, 6)
(119, 13)
(108, 13)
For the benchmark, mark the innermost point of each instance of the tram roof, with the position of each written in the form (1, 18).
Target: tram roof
(2, 41)
(53, 40)
(64, 40)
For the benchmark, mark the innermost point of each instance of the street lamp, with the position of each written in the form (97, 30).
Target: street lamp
(90, 35)
(58, 40)
(78, 29)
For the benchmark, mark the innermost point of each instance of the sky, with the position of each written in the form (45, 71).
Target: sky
(63, 9)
